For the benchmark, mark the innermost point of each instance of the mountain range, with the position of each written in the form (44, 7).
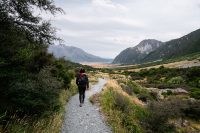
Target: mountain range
(185, 45)
(134, 55)
(153, 50)
(75, 54)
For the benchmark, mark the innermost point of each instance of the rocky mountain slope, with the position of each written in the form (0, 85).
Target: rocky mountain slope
(135, 54)
(185, 45)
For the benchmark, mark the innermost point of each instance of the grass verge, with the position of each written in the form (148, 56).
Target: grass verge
(122, 112)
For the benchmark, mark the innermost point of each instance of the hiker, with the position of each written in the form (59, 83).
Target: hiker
(83, 84)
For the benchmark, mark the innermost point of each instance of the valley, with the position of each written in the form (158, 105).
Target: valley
(154, 97)
(136, 63)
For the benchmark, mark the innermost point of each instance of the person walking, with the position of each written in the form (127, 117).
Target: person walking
(82, 82)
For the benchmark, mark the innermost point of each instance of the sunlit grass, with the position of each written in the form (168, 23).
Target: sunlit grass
(121, 110)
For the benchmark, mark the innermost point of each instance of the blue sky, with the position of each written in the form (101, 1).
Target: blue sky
(106, 27)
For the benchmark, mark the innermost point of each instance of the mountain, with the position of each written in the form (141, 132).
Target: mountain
(187, 44)
(75, 54)
(135, 54)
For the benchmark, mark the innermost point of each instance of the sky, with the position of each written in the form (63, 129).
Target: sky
(106, 27)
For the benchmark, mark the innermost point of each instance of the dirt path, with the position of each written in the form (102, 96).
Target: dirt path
(86, 119)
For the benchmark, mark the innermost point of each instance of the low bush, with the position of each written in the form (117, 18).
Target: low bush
(168, 93)
(169, 77)
(195, 93)
(176, 80)
(127, 89)
(160, 113)
(15, 123)
(157, 121)
(192, 110)
(37, 94)
(145, 97)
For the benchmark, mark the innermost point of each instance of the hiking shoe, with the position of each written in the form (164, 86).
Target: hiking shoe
(80, 105)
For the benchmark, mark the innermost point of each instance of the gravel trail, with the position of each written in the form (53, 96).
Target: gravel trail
(85, 119)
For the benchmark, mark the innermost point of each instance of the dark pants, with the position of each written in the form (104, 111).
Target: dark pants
(81, 93)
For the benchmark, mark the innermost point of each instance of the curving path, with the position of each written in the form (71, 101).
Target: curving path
(85, 119)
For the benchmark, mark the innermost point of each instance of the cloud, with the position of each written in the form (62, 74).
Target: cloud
(108, 4)
(106, 27)
(103, 3)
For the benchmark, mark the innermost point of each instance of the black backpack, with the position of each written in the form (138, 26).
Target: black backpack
(82, 79)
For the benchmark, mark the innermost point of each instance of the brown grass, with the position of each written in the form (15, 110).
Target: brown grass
(117, 87)
(179, 64)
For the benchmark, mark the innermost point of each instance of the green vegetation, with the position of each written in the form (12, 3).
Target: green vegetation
(160, 114)
(189, 57)
(34, 85)
(126, 116)
(132, 88)
(32, 124)
(175, 113)
(185, 45)
(187, 78)
(195, 93)
(168, 93)
(122, 114)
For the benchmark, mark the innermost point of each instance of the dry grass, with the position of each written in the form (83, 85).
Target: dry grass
(52, 125)
(122, 111)
(180, 64)
(113, 84)
(93, 77)
(193, 126)
(102, 75)
(94, 99)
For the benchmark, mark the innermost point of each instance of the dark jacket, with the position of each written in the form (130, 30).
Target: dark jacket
(86, 80)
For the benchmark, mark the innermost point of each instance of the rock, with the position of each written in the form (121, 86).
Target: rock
(185, 123)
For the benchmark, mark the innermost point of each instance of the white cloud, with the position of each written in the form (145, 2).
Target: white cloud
(108, 4)
(110, 26)
(104, 3)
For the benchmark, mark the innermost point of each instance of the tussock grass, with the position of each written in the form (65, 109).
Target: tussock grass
(122, 111)
(113, 84)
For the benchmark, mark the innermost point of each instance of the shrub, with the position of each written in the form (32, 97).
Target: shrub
(168, 93)
(121, 102)
(160, 113)
(154, 95)
(192, 110)
(195, 93)
(176, 80)
(37, 94)
(62, 73)
(137, 89)
(127, 89)
(145, 97)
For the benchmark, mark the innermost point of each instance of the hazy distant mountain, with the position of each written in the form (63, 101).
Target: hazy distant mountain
(75, 54)
(187, 44)
(135, 54)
